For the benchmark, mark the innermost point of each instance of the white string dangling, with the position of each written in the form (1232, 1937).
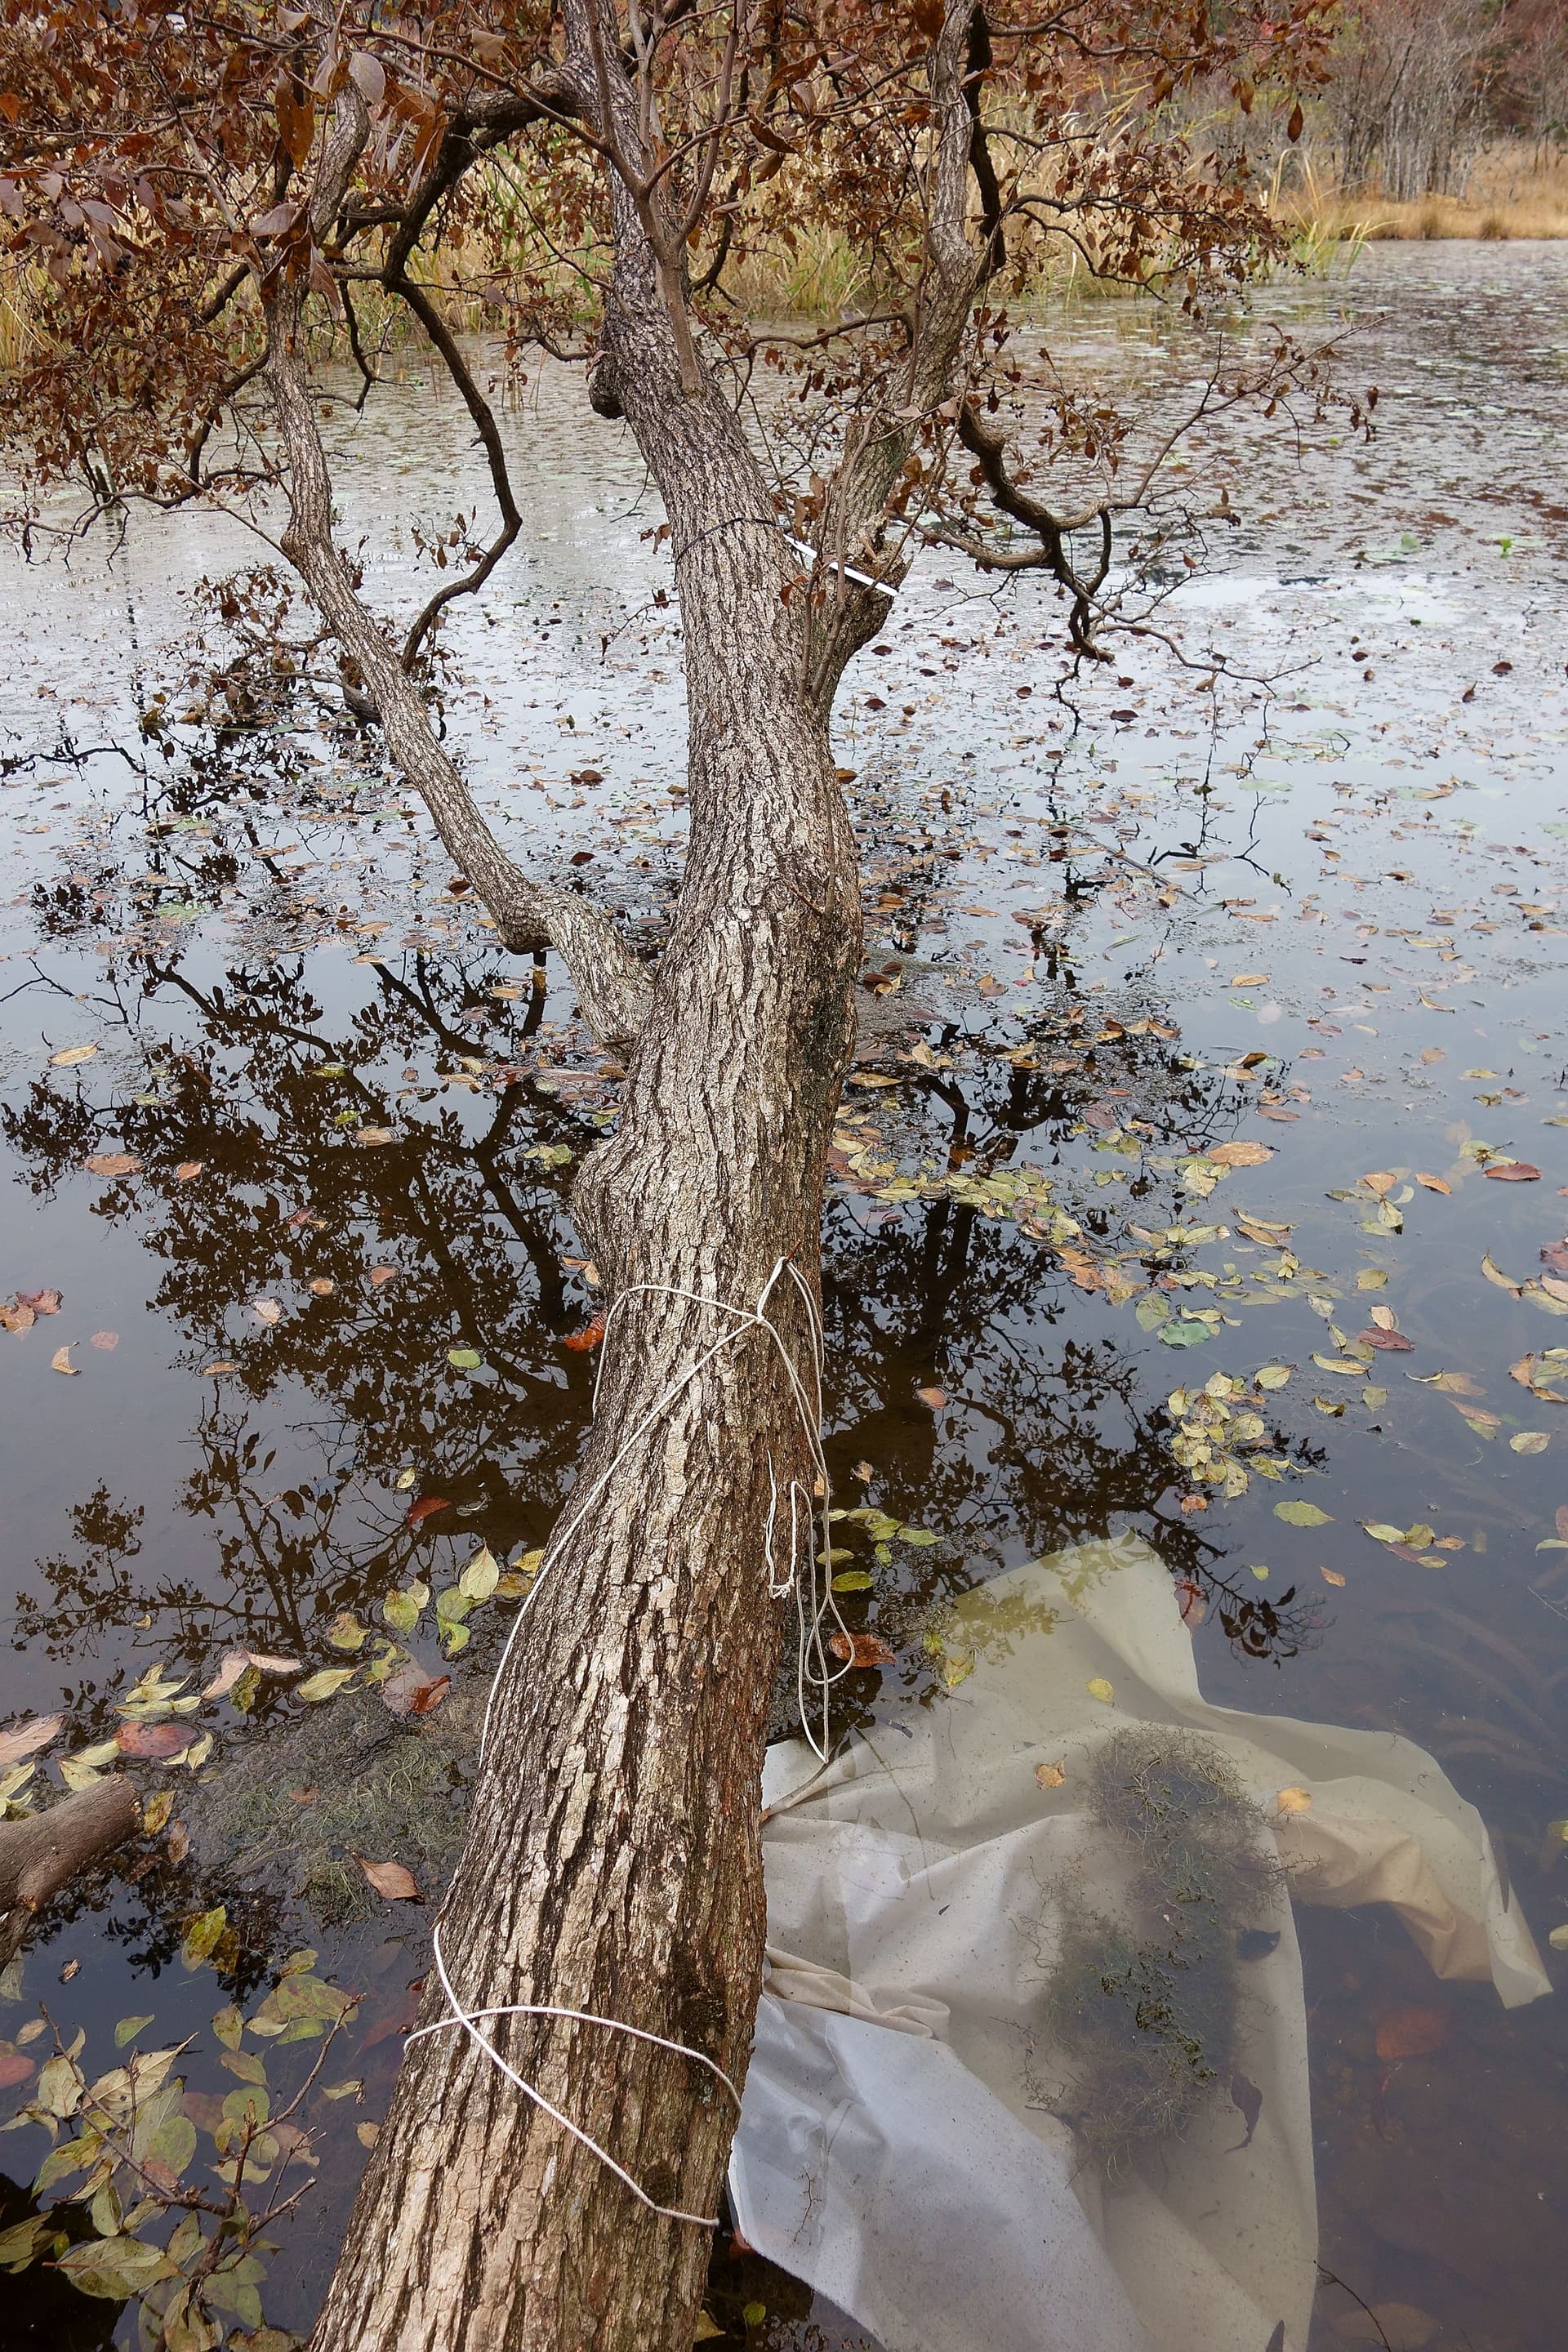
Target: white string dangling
(816, 1603)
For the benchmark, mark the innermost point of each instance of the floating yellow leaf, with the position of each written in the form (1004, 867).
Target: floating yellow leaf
(1433, 1183)
(325, 1684)
(1330, 1576)
(69, 1055)
(1293, 1801)
(1529, 1441)
(1050, 1776)
(1097, 1687)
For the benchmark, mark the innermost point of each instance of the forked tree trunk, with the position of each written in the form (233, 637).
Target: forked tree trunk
(613, 1862)
(613, 1858)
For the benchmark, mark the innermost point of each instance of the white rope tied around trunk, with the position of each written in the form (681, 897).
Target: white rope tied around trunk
(810, 1663)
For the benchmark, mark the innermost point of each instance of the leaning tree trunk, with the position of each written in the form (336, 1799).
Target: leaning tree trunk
(613, 1862)
(613, 1859)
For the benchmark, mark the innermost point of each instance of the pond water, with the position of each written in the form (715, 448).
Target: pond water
(322, 1272)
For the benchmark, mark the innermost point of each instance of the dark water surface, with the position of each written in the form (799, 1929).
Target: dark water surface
(337, 1276)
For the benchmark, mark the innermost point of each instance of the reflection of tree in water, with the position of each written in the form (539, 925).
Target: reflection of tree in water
(353, 1387)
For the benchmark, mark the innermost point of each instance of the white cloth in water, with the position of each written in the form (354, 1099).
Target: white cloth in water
(894, 2149)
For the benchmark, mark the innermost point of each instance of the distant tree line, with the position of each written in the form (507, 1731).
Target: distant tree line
(1422, 87)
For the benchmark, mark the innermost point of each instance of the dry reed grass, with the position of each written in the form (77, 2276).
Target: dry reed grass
(1513, 192)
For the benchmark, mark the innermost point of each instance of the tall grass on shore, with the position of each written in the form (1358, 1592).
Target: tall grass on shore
(1514, 191)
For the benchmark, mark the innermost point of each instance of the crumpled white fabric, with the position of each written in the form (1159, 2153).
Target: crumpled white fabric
(893, 2150)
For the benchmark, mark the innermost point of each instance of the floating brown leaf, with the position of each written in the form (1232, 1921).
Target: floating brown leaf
(106, 1340)
(1051, 1776)
(427, 1507)
(1391, 1342)
(1381, 1181)
(1433, 1183)
(368, 1136)
(391, 1879)
(1513, 1172)
(588, 1337)
(380, 1274)
(410, 1691)
(188, 1169)
(861, 1649)
(158, 1741)
(1411, 2032)
(934, 1398)
(13, 2067)
(112, 1164)
(19, 1739)
(61, 1361)
(1240, 1155)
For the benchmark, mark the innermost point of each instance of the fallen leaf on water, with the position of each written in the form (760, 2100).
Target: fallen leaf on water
(1051, 1776)
(1385, 1319)
(464, 1360)
(1384, 1531)
(367, 2134)
(188, 1169)
(1191, 1602)
(1529, 1441)
(1330, 1576)
(223, 1365)
(106, 1340)
(1433, 1183)
(1512, 1172)
(1495, 1273)
(112, 1164)
(1274, 1376)
(410, 1691)
(19, 1739)
(368, 1136)
(1411, 2032)
(321, 1287)
(380, 1274)
(154, 1739)
(1240, 1155)
(267, 1310)
(61, 1361)
(1562, 1520)
(588, 1337)
(1558, 1939)
(426, 1508)
(13, 2067)
(1301, 1514)
(861, 1649)
(391, 1879)
(327, 1683)
(1381, 1180)
(1293, 1801)
(705, 2329)
(934, 1398)
(202, 1936)
(154, 1816)
(69, 1055)
(1097, 1687)
(1393, 1343)
(1370, 1278)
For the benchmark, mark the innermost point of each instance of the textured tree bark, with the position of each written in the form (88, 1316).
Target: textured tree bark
(45, 1852)
(613, 1862)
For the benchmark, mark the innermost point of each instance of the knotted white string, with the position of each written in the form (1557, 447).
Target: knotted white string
(810, 1660)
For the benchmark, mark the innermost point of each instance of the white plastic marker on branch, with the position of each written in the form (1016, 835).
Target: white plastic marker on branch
(810, 1664)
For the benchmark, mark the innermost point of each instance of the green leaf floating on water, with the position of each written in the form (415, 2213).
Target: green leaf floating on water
(1301, 1514)
(1183, 1332)
(116, 2268)
(853, 1579)
(464, 1360)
